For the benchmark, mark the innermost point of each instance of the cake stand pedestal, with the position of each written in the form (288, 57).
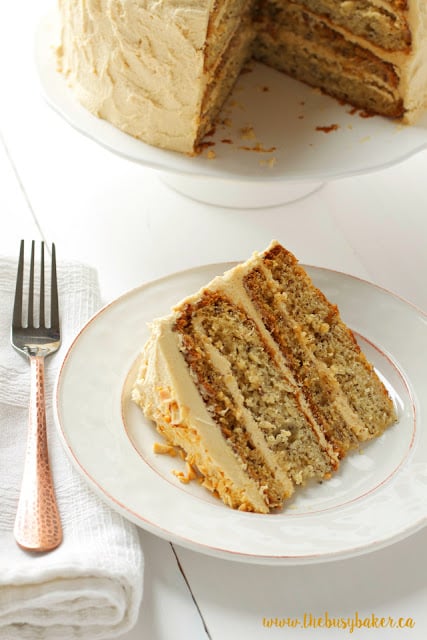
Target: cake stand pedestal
(239, 194)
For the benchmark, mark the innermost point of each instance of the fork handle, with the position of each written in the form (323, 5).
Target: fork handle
(37, 523)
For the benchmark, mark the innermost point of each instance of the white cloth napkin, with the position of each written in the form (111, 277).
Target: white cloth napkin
(91, 586)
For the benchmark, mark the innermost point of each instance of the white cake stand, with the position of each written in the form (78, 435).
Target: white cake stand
(278, 141)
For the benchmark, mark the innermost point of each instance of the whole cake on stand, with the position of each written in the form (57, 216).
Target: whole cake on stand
(162, 72)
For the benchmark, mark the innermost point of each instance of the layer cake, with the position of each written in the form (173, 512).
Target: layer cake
(260, 384)
(161, 70)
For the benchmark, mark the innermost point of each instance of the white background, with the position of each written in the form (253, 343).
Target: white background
(121, 218)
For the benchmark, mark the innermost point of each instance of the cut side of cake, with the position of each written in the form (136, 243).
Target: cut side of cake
(161, 70)
(300, 39)
(259, 382)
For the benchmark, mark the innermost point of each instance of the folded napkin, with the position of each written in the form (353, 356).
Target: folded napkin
(91, 585)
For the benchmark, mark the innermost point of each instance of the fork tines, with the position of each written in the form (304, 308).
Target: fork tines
(17, 320)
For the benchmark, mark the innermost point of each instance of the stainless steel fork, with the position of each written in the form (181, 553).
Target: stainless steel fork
(37, 524)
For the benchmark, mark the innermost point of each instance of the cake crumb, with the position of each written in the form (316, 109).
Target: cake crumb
(366, 114)
(211, 155)
(234, 104)
(247, 133)
(258, 148)
(205, 145)
(185, 478)
(271, 162)
(328, 129)
(211, 132)
(159, 447)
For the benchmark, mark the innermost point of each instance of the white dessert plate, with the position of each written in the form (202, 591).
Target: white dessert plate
(379, 495)
(275, 129)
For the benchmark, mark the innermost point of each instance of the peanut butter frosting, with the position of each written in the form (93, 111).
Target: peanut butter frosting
(138, 64)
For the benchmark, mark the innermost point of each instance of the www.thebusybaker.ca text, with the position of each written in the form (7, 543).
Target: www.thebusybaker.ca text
(349, 624)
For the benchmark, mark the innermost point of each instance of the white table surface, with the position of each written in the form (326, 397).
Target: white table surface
(122, 219)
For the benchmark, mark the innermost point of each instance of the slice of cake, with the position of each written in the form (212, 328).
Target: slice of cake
(260, 383)
(161, 70)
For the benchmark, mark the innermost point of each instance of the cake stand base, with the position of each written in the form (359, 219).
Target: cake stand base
(238, 194)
